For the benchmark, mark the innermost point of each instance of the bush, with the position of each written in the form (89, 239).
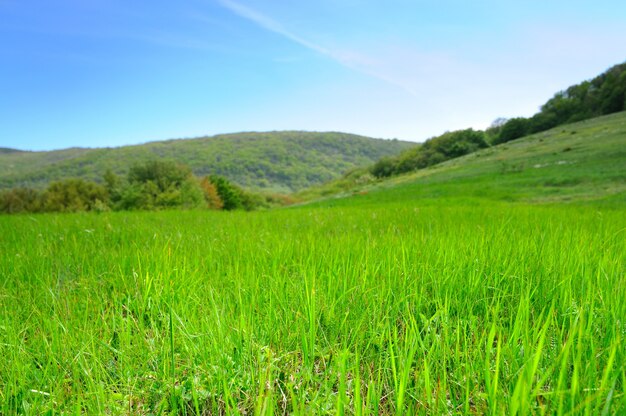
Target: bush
(211, 196)
(383, 168)
(159, 185)
(19, 200)
(73, 195)
(513, 129)
(228, 193)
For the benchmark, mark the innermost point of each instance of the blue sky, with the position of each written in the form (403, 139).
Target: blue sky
(110, 72)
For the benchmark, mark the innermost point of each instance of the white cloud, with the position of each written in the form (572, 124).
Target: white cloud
(271, 25)
(348, 58)
(455, 82)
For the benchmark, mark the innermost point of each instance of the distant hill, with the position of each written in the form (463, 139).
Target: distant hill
(274, 161)
(584, 161)
(8, 150)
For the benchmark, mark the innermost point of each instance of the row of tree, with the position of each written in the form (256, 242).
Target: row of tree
(602, 95)
(436, 150)
(153, 185)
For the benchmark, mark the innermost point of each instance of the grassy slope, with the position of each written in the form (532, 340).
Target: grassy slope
(278, 161)
(581, 161)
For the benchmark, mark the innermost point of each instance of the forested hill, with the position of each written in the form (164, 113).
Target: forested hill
(273, 161)
(8, 150)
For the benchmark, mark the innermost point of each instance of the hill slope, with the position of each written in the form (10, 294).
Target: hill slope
(580, 161)
(8, 150)
(603, 95)
(276, 161)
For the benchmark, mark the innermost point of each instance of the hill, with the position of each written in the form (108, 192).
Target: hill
(273, 161)
(603, 95)
(574, 162)
(9, 150)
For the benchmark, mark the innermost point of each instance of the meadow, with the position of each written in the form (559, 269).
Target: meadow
(584, 161)
(449, 307)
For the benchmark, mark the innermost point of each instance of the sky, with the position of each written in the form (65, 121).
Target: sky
(98, 73)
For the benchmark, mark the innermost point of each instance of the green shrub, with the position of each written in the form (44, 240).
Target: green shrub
(73, 195)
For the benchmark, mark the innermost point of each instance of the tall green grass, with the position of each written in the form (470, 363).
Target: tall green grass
(486, 309)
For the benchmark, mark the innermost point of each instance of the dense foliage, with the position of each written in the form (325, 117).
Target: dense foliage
(73, 195)
(153, 185)
(271, 162)
(158, 185)
(436, 150)
(604, 94)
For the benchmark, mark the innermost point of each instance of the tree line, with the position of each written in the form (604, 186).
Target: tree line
(436, 150)
(604, 94)
(153, 185)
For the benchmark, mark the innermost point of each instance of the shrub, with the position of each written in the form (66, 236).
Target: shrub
(211, 196)
(18, 200)
(513, 129)
(160, 184)
(228, 193)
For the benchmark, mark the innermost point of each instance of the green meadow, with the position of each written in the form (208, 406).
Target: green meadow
(448, 307)
(580, 162)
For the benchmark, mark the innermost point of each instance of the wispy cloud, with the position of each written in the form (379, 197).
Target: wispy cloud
(350, 59)
(271, 25)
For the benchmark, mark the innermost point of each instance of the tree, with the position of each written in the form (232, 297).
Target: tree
(383, 168)
(494, 129)
(211, 196)
(111, 180)
(228, 193)
(130, 197)
(160, 184)
(18, 200)
(513, 129)
(113, 185)
(73, 195)
(163, 174)
(457, 143)
(541, 122)
(613, 90)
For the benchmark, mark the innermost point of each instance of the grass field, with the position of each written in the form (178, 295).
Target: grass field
(455, 307)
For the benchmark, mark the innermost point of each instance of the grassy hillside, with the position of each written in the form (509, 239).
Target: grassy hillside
(580, 161)
(276, 161)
